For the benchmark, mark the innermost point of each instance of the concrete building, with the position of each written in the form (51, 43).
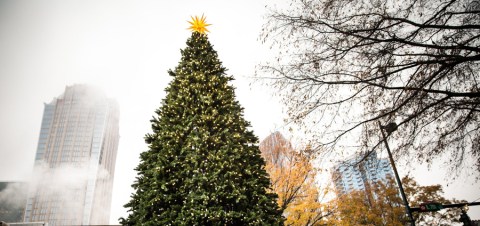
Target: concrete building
(75, 159)
(354, 174)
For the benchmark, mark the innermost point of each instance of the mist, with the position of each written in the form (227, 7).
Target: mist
(65, 185)
(125, 48)
(13, 197)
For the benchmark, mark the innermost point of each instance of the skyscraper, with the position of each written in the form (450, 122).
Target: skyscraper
(75, 159)
(354, 174)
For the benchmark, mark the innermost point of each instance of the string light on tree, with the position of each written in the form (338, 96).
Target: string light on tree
(192, 173)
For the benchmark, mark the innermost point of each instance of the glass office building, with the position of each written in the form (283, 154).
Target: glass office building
(75, 159)
(354, 174)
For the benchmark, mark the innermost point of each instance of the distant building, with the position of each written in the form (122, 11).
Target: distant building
(13, 197)
(354, 174)
(75, 159)
(274, 149)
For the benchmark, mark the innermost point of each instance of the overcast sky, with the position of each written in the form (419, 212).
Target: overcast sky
(126, 48)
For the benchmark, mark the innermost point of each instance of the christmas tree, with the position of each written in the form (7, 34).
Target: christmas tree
(203, 166)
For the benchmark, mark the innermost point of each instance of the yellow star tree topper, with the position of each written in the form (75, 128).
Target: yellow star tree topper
(199, 24)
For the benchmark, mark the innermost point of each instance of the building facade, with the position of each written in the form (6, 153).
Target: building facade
(75, 159)
(354, 174)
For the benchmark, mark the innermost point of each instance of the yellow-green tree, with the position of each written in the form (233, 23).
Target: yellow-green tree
(293, 179)
(418, 194)
(382, 205)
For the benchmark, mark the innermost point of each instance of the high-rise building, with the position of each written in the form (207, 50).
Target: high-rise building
(357, 173)
(75, 159)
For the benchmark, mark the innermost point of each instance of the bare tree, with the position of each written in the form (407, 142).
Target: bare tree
(345, 65)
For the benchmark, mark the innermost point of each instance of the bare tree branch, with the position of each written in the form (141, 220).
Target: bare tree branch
(415, 62)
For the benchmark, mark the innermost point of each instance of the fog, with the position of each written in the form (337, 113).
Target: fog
(12, 200)
(67, 183)
(126, 48)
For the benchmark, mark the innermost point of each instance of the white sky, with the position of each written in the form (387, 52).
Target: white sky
(125, 48)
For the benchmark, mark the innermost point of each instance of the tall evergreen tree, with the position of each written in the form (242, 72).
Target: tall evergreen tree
(203, 166)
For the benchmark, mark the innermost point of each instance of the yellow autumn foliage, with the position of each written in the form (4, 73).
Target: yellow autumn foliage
(293, 179)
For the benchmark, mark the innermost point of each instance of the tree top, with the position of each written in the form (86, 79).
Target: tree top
(199, 24)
